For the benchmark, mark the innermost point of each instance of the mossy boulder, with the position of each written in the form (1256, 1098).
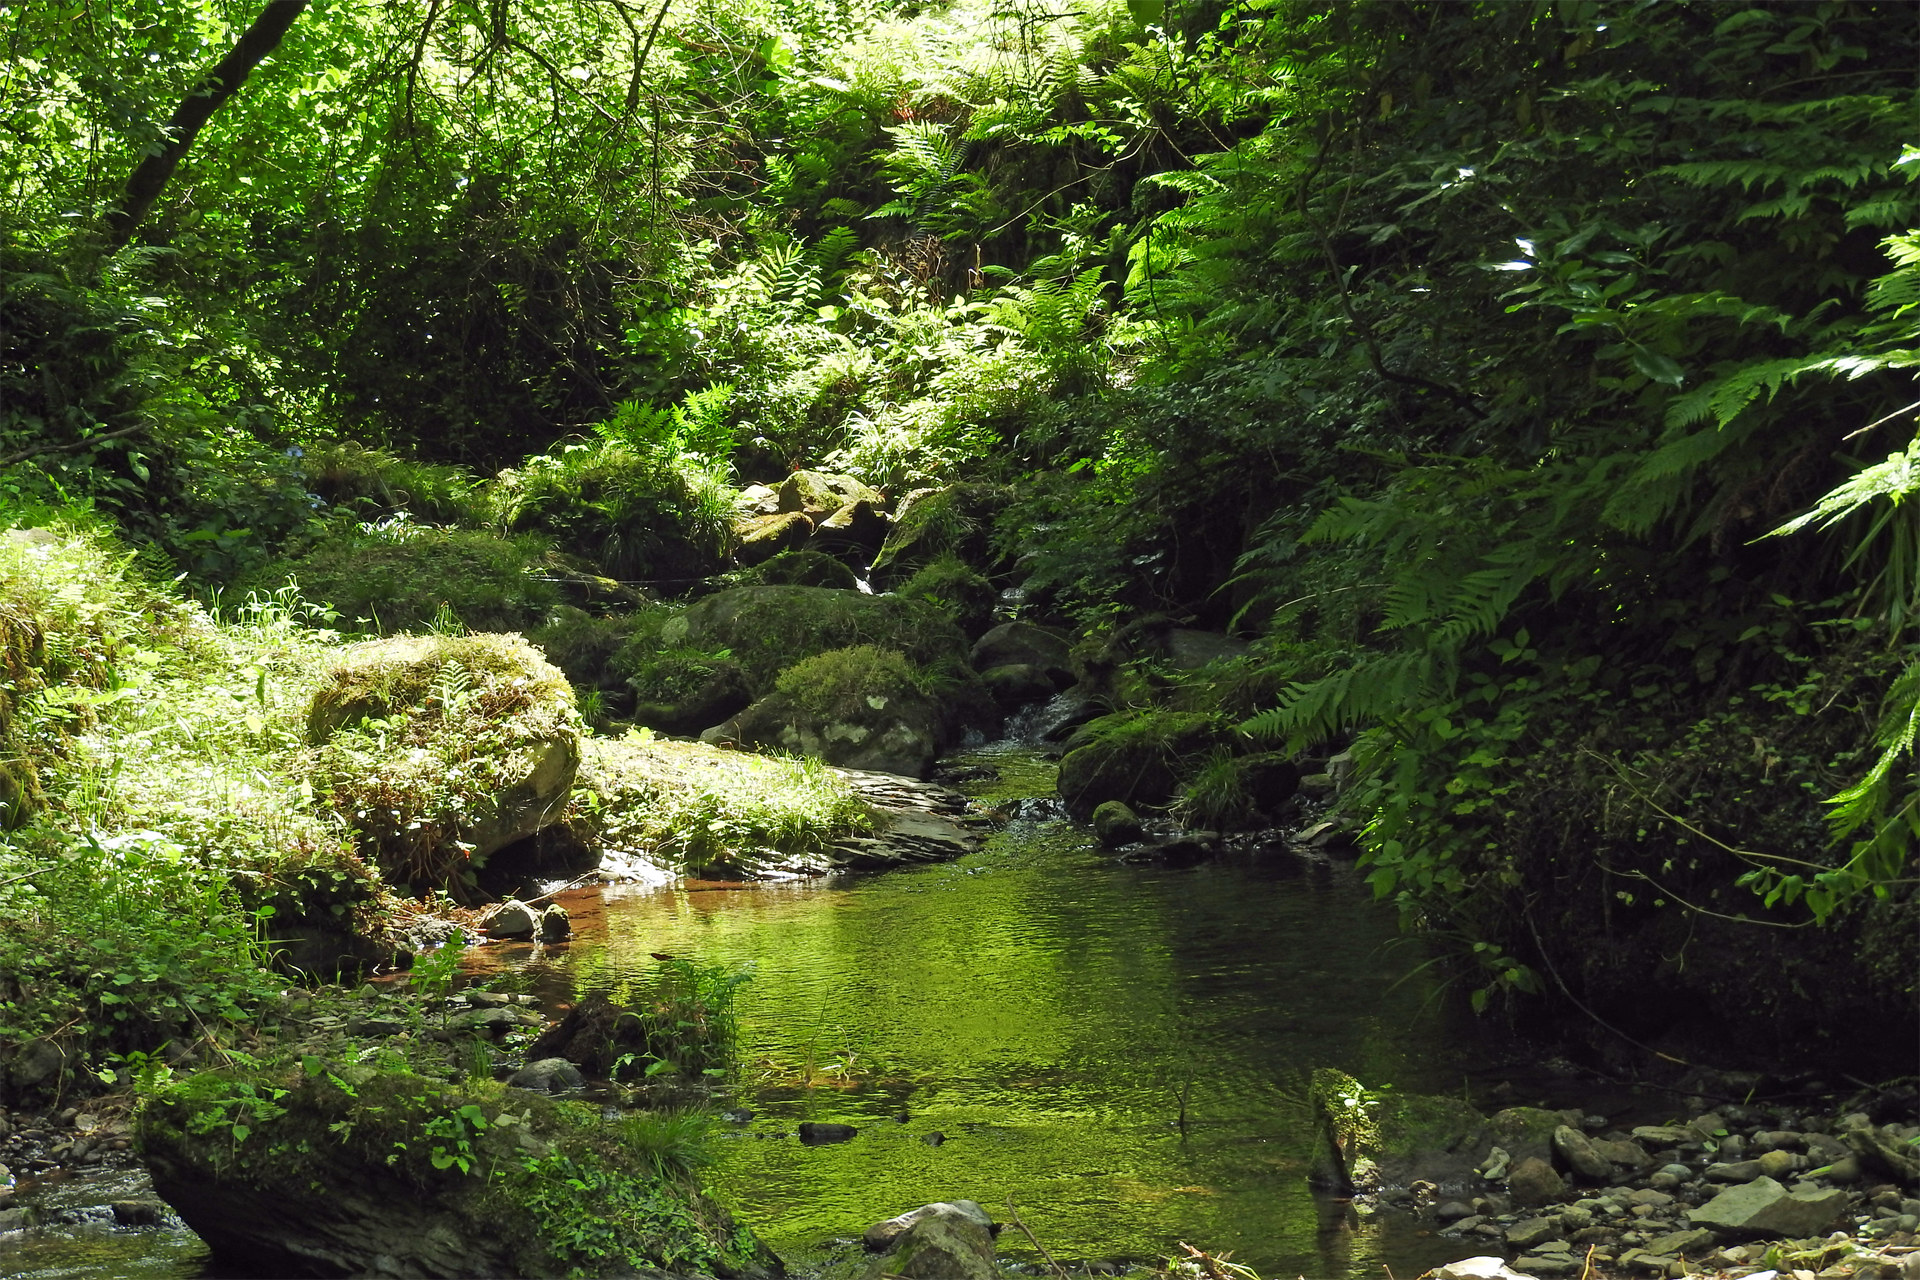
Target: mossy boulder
(761, 537)
(957, 520)
(767, 629)
(963, 593)
(1373, 1140)
(440, 750)
(344, 1170)
(861, 707)
(1135, 756)
(819, 494)
(803, 569)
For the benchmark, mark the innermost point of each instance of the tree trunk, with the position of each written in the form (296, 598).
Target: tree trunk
(219, 83)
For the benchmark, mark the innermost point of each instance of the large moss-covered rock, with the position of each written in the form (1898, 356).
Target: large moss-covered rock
(440, 750)
(768, 629)
(861, 707)
(349, 1171)
(1134, 756)
(957, 519)
(820, 494)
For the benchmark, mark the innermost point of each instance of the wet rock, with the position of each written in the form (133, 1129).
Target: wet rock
(934, 1139)
(15, 1219)
(763, 537)
(1015, 684)
(1115, 824)
(555, 924)
(882, 1236)
(1623, 1151)
(1576, 1151)
(1535, 1182)
(946, 1243)
(1370, 1142)
(489, 1022)
(1453, 1211)
(1692, 1243)
(1529, 1233)
(138, 1213)
(1187, 849)
(815, 1134)
(511, 919)
(1021, 644)
(1764, 1208)
(548, 1075)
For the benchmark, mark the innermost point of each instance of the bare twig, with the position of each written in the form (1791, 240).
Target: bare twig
(1034, 1240)
(1881, 422)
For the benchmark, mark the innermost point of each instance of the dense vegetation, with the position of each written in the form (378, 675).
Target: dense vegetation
(1528, 381)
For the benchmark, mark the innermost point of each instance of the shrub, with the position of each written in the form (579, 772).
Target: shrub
(374, 482)
(398, 576)
(838, 684)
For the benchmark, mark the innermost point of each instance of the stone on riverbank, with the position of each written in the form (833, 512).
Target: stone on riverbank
(476, 747)
(1374, 1140)
(357, 1172)
(947, 1241)
(1763, 1208)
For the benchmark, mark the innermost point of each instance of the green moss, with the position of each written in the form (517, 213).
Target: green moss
(768, 629)
(544, 1188)
(689, 805)
(438, 748)
(800, 569)
(950, 584)
(839, 684)
(397, 576)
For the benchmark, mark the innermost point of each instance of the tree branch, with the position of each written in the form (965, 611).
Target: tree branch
(8, 459)
(209, 93)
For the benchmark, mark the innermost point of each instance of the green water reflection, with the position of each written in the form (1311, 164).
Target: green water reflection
(1046, 1009)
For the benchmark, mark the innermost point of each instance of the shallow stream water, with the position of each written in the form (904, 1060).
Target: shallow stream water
(1054, 1015)
(1121, 1052)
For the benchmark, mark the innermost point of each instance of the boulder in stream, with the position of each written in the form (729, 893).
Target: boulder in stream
(947, 1241)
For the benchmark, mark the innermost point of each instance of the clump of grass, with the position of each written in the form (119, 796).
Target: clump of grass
(1216, 794)
(839, 683)
(690, 805)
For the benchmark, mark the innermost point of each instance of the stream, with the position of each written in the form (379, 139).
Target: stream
(1119, 1051)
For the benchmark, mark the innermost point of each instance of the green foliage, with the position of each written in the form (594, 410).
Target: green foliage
(643, 514)
(949, 583)
(377, 483)
(688, 1028)
(396, 576)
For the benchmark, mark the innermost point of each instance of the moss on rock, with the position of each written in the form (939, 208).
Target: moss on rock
(440, 750)
(324, 1168)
